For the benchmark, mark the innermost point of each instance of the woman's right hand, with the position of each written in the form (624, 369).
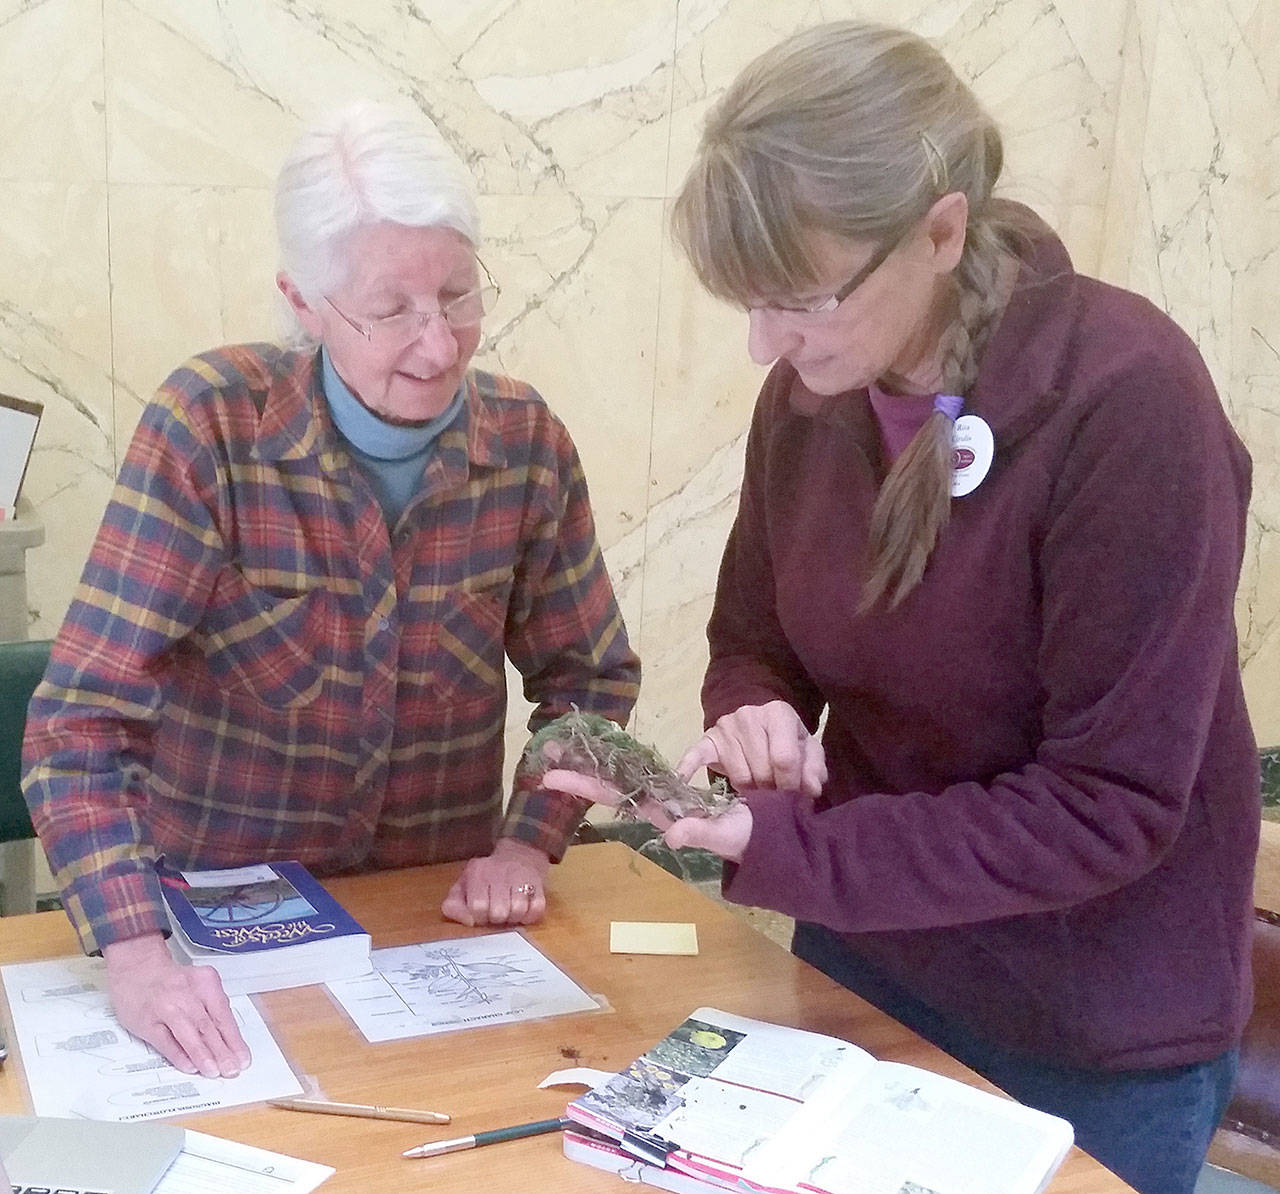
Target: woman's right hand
(760, 746)
(180, 1011)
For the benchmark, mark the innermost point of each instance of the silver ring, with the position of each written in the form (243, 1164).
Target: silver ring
(526, 889)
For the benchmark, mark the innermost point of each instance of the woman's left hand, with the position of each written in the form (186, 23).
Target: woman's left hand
(508, 887)
(726, 835)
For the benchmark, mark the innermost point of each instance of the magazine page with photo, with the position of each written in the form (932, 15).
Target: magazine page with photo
(724, 1102)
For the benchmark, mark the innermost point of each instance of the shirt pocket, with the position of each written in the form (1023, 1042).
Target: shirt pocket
(469, 644)
(269, 645)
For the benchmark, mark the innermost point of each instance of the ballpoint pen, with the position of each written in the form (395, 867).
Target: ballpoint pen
(492, 1137)
(361, 1110)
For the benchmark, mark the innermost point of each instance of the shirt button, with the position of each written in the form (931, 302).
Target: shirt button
(384, 624)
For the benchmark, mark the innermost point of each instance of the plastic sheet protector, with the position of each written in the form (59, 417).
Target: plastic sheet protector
(79, 1061)
(467, 982)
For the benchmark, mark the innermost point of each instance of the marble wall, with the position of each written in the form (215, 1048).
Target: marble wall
(141, 139)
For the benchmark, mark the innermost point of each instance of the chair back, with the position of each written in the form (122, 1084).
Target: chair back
(22, 666)
(1248, 1141)
(1255, 1105)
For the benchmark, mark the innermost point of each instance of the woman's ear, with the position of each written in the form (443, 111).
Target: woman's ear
(307, 315)
(945, 225)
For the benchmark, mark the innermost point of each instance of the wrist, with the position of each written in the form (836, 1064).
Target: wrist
(149, 948)
(514, 849)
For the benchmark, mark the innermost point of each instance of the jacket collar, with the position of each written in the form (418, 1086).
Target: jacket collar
(1019, 376)
(295, 420)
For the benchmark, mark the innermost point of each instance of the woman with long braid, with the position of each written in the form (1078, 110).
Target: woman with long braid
(992, 524)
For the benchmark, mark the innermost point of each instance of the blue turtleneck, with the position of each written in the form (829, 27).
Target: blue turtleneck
(391, 457)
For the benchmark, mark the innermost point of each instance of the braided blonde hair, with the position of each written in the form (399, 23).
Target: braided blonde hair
(854, 129)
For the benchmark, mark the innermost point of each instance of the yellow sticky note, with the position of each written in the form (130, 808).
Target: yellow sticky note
(652, 937)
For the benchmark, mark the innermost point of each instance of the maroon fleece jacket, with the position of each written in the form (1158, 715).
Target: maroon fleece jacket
(1043, 803)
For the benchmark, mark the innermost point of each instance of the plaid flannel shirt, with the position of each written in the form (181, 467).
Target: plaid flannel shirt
(255, 668)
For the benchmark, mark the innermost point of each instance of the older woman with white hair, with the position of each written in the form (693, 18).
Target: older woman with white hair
(289, 638)
(991, 526)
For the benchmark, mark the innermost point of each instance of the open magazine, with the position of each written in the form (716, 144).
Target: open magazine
(727, 1103)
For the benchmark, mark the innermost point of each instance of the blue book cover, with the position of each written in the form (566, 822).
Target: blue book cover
(246, 910)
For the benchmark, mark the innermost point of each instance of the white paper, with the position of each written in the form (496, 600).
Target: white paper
(577, 1076)
(230, 876)
(441, 986)
(908, 1128)
(80, 1062)
(211, 1165)
(727, 1122)
(17, 433)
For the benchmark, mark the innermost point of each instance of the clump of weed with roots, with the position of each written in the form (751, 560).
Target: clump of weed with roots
(594, 745)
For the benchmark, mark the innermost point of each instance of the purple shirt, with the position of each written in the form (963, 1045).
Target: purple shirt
(900, 416)
(1043, 804)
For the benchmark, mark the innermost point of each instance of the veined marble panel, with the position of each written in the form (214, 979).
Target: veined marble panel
(533, 96)
(706, 383)
(685, 536)
(577, 321)
(1050, 75)
(705, 393)
(1258, 616)
(55, 348)
(590, 84)
(51, 92)
(189, 100)
(716, 38)
(192, 268)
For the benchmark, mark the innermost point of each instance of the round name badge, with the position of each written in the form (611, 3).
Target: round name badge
(972, 449)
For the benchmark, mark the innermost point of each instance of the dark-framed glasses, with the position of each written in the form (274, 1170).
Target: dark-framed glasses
(461, 314)
(828, 303)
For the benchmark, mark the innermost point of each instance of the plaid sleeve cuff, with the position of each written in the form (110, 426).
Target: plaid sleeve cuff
(118, 908)
(546, 820)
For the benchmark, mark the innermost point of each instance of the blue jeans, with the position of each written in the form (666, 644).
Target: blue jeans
(1152, 1127)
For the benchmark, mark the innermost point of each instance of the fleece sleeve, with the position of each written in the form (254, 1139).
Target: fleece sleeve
(751, 661)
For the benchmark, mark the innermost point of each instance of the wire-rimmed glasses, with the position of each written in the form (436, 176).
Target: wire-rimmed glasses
(461, 314)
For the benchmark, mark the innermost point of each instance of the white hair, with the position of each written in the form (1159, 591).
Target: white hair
(365, 163)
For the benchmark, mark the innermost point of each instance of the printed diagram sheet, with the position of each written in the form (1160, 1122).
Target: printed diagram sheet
(80, 1062)
(440, 986)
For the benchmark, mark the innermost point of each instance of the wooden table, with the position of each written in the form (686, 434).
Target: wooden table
(487, 1078)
